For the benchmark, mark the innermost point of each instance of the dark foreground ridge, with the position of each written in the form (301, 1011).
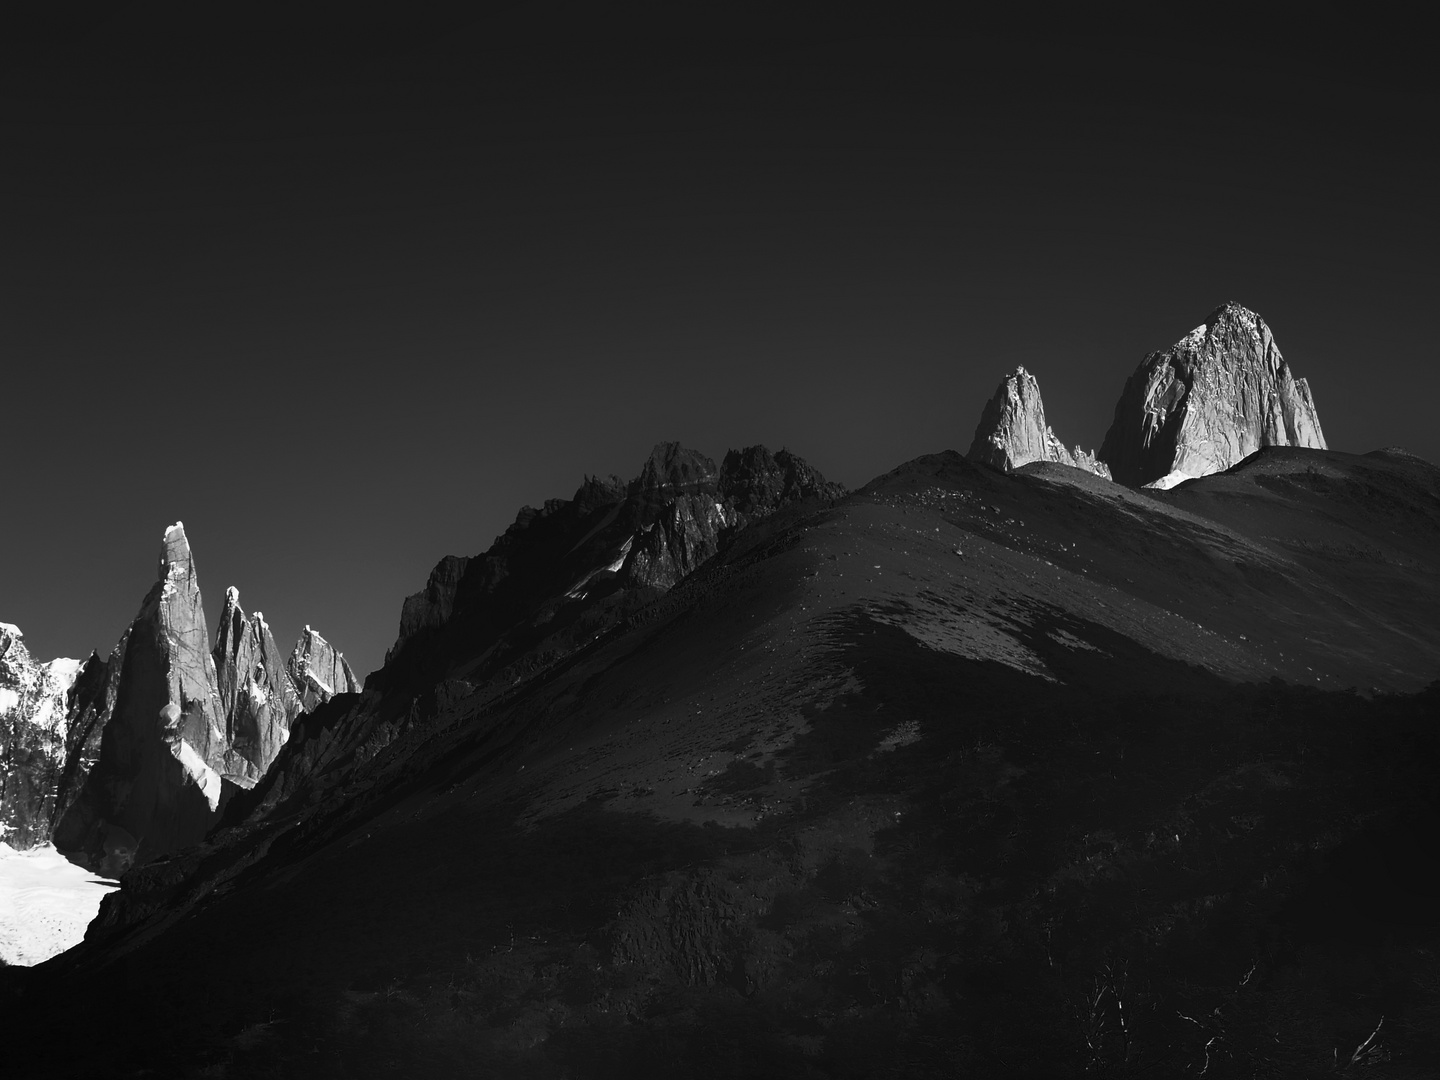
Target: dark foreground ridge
(1023, 774)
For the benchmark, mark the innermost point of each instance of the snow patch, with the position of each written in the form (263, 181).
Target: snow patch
(63, 671)
(258, 694)
(11, 629)
(9, 699)
(206, 778)
(578, 589)
(1169, 480)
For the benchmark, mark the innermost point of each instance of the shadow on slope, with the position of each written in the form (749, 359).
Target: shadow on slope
(1140, 872)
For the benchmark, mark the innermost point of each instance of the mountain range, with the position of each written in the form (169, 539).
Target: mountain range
(132, 757)
(995, 766)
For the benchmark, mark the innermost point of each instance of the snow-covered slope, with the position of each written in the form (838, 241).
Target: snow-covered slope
(45, 903)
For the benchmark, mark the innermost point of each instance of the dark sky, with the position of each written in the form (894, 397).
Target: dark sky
(344, 296)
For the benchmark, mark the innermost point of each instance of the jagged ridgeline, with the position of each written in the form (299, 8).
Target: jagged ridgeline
(560, 577)
(1202, 406)
(613, 539)
(129, 758)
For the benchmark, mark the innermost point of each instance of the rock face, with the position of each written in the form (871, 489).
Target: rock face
(33, 737)
(699, 506)
(256, 692)
(179, 726)
(89, 705)
(1013, 432)
(1208, 402)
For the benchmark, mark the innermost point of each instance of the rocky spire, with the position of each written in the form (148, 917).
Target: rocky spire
(1013, 432)
(257, 695)
(1209, 401)
(156, 782)
(319, 671)
(180, 621)
(182, 726)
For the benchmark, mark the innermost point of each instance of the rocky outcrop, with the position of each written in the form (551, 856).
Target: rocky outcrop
(683, 514)
(647, 534)
(318, 672)
(432, 606)
(673, 468)
(33, 731)
(757, 483)
(1013, 432)
(1208, 402)
(180, 726)
(698, 506)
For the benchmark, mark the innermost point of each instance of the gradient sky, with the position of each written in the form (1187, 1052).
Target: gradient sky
(345, 297)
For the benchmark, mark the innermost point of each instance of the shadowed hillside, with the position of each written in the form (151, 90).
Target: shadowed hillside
(1025, 775)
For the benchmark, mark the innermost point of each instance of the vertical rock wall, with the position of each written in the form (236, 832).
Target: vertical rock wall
(1209, 401)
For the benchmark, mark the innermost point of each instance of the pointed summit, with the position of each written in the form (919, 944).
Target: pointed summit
(1013, 432)
(158, 782)
(180, 726)
(177, 566)
(256, 693)
(1208, 402)
(319, 670)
